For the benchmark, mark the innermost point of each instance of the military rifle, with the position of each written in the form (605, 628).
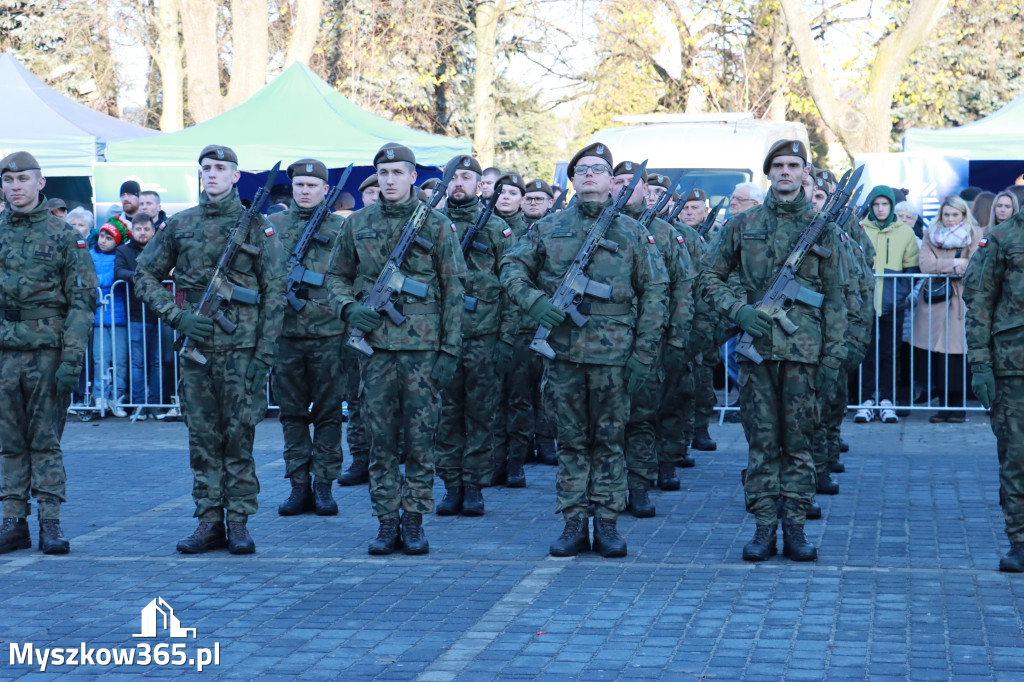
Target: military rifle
(297, 273)
(221, 291)
(785, 291)
(559, 202)
(648, 216)
(575, 284)
(850, 208)
(677, 209)
(391, 282)
(705, 226)
(469, 239)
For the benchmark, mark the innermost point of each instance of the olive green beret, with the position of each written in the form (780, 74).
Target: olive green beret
(627, 168)
(466, 162)
(308, 167)
(826, 175)
(659, 180)
(56, 202)
(596, 149)
(392, 152)
(785, 148)
(219, 152)
(19, 161)
(369, 182)
(428, 184)
(697, 195)
(540, 186)
(514, 179)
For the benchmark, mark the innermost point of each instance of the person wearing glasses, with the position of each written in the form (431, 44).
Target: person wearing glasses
(596, 366)
(538, 199)
(745, 195)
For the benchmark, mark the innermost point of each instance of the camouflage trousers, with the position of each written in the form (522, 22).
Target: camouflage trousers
(470, 411)
(221, 415)
(779, 409)
(826, 433)
(309, 371)
(641, 446)
(355, 432)
(704, 387)
(526, 414)
(32, 417)
(399, 392)
(1008, 426)
(675, 414)
(589, 406)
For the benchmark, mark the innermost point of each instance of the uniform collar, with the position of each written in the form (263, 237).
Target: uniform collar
(303, 213)
(466, 212)
(592, 209)
(798, 205)
(229, 205)
(397, 209)
(39, 214)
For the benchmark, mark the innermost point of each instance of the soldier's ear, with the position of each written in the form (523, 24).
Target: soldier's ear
(238, 174)
(42, 183)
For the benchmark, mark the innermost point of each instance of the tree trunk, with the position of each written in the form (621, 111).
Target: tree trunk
(485, 108)
(199, 29)
(250, 44)
(167, 58)
(777, 104)
(304, 35)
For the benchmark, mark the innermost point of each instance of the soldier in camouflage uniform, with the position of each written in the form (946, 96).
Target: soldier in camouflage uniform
(779, 398)
(47, 298)
(411, 362)
(995, 348)
(309, 380)
(471, 403)
(642, 432)
(597, 366)
(224, 399)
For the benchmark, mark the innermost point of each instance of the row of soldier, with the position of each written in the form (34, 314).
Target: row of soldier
(452, 355)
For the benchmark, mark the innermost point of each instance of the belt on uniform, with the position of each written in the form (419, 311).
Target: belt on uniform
(600, 308)
(308, 295)
(418, 308)
(25, 314)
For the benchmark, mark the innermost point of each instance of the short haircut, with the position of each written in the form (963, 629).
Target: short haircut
(141, 218)
(344, 202)
(155, 195)
(906, 207)
(492, 171)
(80, 211)
(756, 192)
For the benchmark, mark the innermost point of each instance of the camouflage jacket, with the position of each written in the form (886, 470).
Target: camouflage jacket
(994, 294)
(632, 321)
(367, 240)
(189, 246)
(516, 221)
(682, 275)
(317, 318)
(755, 244)
(45, 271)
(860, 287)
(482, 268)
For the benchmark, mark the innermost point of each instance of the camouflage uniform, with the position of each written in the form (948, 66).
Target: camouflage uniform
(471, 409)
(778, 402)
(48, 295)
(643, 434)
(993, 286)
(585, 385)
(220, 412)
(309, 366)
(398, 390)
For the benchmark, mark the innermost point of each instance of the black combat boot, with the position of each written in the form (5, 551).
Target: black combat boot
(607, 541)
(547, 451)
(702, 440)
(300, 501)
(358, 472)
(667, 479)
(516, 474)
(825, 484)
(687, 461)
(640, 504)
(473, 502)
(575, 538)
(500, 474)
(239, 540)
(763, 546)
(324, 500)
(415, 539)
(206, 536)
(389, 538)
(1013, 562)
(14, 535)
(51, 537)
(836, 467)
(843, 447)
(814, 513)
(451, 505)
(795, 545)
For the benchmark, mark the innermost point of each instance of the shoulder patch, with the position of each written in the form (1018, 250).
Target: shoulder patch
(983, 242)
(679, 238)
(701, 239)
(453, 227)
(508, 231)
(269, 231)
(82, 244)
(650, 239)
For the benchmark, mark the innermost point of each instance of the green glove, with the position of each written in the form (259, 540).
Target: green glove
(67, 377)
(362, 318)
(444, 369)
(674, 358)
(854, 356)
(983, 383)
(755, 322)
(503, 357)
(256, 375)
(195, 327)
(546, 313)
(825, 382)
(636, 374)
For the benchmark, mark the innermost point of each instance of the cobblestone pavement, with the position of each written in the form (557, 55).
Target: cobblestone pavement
(906, 586)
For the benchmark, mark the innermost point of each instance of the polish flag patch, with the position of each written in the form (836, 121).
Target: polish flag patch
(983, 242)
(453, 227)
(650, 239)
(679, 238)
(81, 243)
(507, 232)
(269, 231)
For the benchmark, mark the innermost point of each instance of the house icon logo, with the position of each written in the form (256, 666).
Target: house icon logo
(151, 621)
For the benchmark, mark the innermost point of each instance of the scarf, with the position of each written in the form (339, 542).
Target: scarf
(956, 237)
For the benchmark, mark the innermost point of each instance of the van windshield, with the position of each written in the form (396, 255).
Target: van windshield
(716, 182)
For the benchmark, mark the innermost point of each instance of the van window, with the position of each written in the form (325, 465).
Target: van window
(716, 182)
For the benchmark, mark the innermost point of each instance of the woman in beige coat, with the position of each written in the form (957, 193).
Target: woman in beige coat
(947, 247)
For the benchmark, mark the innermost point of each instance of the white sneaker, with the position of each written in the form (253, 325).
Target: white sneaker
(117, 410)
(865, 413)
(172, 414)
(888, 414)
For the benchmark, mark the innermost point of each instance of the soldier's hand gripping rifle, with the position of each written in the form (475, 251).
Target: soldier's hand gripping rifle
(785, 291)
(469, 239)
(298, 274)
(575, 284)
(709, 221)
(391, 282)
(221, 291)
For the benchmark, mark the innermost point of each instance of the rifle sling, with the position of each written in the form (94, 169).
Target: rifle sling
(603, 308)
